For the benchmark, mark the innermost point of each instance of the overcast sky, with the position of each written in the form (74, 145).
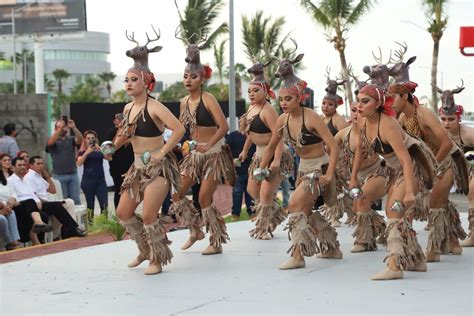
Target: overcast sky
(387, 22)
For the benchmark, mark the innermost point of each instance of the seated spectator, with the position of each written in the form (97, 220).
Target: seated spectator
(8, 144)
(7, 170)
(62, 148)
(24, 154)
(93, 178)
(29, 218)
(64, 211)
(9, 235)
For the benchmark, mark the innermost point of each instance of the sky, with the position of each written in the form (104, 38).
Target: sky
(387, 22)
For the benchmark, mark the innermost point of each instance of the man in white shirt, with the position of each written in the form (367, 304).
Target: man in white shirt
(30, 220)
(24, 191)
(42, 184)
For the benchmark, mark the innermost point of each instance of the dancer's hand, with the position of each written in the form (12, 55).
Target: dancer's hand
(353, 184)
(242, 156)
(325, 179)
(275, 166)
(202, 148)
(409, 200)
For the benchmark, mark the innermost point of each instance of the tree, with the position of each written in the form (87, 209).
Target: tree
(219, 56)
(437, 22)
(195, 23)
(337, 16)
(48, 84)
(2, 56)
(106, 78)
(60, 75)
(240, 75)
(86, 92)
(24, 58)
(175, 92)
(120, 97)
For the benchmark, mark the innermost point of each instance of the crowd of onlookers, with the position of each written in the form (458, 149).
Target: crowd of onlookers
(28, 207)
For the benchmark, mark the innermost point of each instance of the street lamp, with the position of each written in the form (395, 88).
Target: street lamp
(14, 44)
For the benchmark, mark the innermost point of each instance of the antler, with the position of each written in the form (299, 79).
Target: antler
(399, 53)
(153, 40)
(378, 60)
(296, 47)
(437, 88)
(131, 38)
(458, 89)
(177, 33)
(328, 72)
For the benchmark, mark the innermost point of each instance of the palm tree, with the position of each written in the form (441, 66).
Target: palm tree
(2, 56)
(337, 16)
(106, 78)
(25, 57)
(219, 56)
(48, 84)
(60, 75)
(195, 24)
(437, 22)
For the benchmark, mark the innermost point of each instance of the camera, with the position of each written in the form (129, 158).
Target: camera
(92, 143)
(65, 119)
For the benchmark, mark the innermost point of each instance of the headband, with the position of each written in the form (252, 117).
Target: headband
(147, 76)
(378, 94)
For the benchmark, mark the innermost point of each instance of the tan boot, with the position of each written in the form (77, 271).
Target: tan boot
(211, 250)
(136, 230)
(137, 261)
(358, 248)
(469, 241)
(454, 246)
(293, 263)
(432, 257)
(391, 272)
(335, 223)
(336, 254)
(421, 267)
(196, 235)
(153, 269)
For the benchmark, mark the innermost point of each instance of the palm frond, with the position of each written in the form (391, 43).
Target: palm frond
(316, 13)
(360, 9)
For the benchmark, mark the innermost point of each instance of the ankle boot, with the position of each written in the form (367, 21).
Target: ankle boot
(455, 230)
(268, 218)
(293, 263)
(326, 235)
(218, 231)
(195, 235)
(454, 246)
(437, 234)
(160, 252)
(211, 250)
(432, 257)
(469, 241)
(135, 229)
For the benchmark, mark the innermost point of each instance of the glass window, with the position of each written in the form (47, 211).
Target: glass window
(74, 55)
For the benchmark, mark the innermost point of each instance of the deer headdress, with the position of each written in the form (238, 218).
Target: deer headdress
(193, 58)
(331, 89)
(139, 54)
(257, 70)
(449, 106)
(289, 81)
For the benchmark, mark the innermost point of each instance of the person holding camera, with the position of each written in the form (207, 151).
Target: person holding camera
(93, 178)
(62, 148)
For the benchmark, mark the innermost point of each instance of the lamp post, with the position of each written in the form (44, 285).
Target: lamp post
(14, 43)
(232, 119)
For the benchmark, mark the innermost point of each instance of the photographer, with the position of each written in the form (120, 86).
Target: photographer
(93, 179)
(62, 148)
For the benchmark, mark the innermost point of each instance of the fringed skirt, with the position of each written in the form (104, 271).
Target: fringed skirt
(309, 172)
(286, 162)
(140, 175)
(456, 161)
(216, 163)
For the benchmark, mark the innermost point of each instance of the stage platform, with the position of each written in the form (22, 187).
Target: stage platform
(244, 280)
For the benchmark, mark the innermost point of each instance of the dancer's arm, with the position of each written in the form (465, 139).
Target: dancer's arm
(270, 118)
(273, 144)
(357, 162)
(431, 121)
(248, 143)
(120, 137)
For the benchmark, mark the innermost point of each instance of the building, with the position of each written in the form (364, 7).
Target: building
(82, 55)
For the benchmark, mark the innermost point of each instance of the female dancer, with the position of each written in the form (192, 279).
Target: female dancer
(463, 136)
(259, 124)
(154, 171)
(380, 134)
(369, 224)
(306, 132)
(208, 163)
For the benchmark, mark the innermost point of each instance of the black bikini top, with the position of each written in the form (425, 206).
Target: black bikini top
(257, 125)
(145, 126)
(305, 137)
(379, 146)
(332, 128)
(203, 117)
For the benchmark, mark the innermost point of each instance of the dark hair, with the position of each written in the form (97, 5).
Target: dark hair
(3, 180)
(409, 98)
(9, 128)
(16, 159)
(32, 159)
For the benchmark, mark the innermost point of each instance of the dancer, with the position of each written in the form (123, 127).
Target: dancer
(155, 169)
(306, 132)
(331, 101)
(372, 174)
(444, 226)
(259, 124)
(380, 134)
(463, 136)
(209, 163)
